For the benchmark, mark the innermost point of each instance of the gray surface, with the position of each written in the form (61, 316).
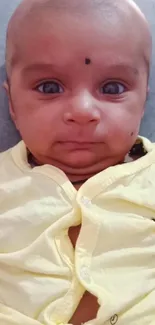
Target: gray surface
(8, 134)
(148, 124)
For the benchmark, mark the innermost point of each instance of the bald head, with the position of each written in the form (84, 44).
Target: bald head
(112, 13)
(79, 6)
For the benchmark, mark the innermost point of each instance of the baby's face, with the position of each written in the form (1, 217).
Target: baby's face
(79, 115)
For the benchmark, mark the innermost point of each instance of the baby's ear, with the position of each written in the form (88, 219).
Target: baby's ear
(148, 91)
(6, 86)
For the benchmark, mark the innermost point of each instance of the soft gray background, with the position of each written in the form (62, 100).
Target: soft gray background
(8, 134)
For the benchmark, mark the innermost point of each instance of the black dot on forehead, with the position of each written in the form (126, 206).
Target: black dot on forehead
(87, 61)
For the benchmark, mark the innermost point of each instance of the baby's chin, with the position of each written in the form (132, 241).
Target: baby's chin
(82, 162)
(80, 159)
(79, 164)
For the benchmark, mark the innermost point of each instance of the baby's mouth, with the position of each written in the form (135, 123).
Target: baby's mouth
(75, 145)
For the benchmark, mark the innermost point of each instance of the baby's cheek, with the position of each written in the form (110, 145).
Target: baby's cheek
(122, 135)
(126, 120)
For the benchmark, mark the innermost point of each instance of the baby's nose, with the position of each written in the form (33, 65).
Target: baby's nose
(82, 110)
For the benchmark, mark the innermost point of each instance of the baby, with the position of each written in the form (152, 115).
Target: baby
(77, 207)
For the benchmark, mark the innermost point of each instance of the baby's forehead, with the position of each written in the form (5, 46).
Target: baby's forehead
(108, 12)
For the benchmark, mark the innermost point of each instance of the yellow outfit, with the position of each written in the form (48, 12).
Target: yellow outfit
(42, 278)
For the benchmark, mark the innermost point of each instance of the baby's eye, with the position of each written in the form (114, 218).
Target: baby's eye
(113, 88)
(50, 87)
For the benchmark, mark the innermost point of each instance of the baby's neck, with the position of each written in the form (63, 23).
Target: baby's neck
(78, 184)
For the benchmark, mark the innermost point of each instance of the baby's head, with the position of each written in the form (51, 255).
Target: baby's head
(77, 80)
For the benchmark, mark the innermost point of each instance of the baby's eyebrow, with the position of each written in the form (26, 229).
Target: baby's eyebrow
(37, 67)
(124, 68)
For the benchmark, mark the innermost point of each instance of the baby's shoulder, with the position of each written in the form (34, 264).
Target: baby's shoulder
(9, 169)
(5, 158)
